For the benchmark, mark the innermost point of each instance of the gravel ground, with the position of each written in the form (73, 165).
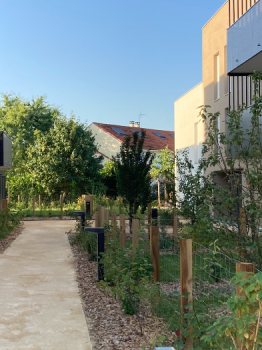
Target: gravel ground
(109, 326)
(6, 242)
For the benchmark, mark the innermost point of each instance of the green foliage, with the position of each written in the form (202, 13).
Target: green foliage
(8, 222)
(127, 274)
(86, 241)
(108, 174)
(242, 324)
(51, 154)
(133, 172)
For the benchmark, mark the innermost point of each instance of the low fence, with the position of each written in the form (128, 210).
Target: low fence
(192, 277)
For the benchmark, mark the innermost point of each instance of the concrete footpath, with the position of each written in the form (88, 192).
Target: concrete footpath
(40, 306)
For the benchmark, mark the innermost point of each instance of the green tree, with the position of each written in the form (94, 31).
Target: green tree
(21, 120)
(163, 169)
(108, 174)
(133, 167)
(64, 160)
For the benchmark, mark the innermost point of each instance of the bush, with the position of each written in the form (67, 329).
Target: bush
(8, 222)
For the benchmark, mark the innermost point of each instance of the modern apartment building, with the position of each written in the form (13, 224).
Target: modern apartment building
(231, 50)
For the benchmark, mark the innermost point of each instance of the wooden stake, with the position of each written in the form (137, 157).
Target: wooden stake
(100, 216)
(175, 230)
(149, 217)
(135, 230)
(122, 223)
(243, 222)
(8, 191)
(39, 201)
(96, 219)
(18, 198)
(186, 274)
(113, 222)
(106, 216)
(154, 252)
(61, 205)
(33, 205)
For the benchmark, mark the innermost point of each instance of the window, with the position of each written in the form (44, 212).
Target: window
(196, 142)
(217, 78)
(119, 131)
(139, 133)
(172, 135)
(160, 135)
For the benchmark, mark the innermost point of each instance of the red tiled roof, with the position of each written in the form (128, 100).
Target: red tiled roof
(152, 141)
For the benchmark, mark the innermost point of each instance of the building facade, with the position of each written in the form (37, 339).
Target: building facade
(231, 51)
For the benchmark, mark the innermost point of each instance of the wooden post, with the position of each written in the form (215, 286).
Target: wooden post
(243, 222)
(154, 252)
(135, 230)
(122, 224)
(120, 204)
(175, 230)
(100, 216)
(149, 217)
(61, 205)
(33, 205)
(96, 219)
(106, 216)
(39, 201)
(245, 268)
(18, 198)
(186, 275)
(113, 222)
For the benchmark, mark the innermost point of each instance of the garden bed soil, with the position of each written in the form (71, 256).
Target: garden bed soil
(8, 240)
(109, 326)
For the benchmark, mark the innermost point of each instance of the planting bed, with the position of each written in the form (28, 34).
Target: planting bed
(7, 241)
(110, 327)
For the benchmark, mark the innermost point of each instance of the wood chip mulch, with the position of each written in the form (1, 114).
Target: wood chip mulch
(7, 241)
(110, 328)
(38, 218)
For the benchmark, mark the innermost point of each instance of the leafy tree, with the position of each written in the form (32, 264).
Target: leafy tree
(133, 172)
(108, 174)
(64, 160)
(235, 158)
(163, 169)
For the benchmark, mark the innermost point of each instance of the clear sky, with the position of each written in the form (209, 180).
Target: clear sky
(104, 60)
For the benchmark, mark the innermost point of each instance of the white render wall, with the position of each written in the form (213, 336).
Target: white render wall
(186, 115)
(107, 145)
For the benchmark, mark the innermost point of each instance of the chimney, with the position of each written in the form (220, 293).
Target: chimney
(132, 124)
(137, 124)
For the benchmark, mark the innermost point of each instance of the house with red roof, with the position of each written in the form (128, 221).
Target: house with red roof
(109, 138)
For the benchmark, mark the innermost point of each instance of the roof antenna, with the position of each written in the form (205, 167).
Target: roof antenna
(140, 116)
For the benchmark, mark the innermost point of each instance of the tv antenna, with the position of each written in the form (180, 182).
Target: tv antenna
(140, 116)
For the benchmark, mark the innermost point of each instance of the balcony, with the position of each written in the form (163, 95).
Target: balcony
(244, 37)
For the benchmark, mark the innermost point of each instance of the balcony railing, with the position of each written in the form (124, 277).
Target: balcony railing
(237, 8)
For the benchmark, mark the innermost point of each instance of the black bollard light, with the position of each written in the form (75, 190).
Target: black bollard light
(100, 248)
(82, 215)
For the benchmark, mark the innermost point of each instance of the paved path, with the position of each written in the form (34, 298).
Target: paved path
(40, 306)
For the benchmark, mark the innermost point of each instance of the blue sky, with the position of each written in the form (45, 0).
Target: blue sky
(104, 60)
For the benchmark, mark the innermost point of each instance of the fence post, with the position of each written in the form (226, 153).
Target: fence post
(158, 193)
(243, 222)
(149, 217)
(106, 216)
(113, 222)
(100, 216)
(61, 205)
(243, 267)
(33, 205)
(39, 201)
(122, 224)
(18, 198)
(175, 229)
(186, 275)
(154, 252)
(96, 219)
(135, 230)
